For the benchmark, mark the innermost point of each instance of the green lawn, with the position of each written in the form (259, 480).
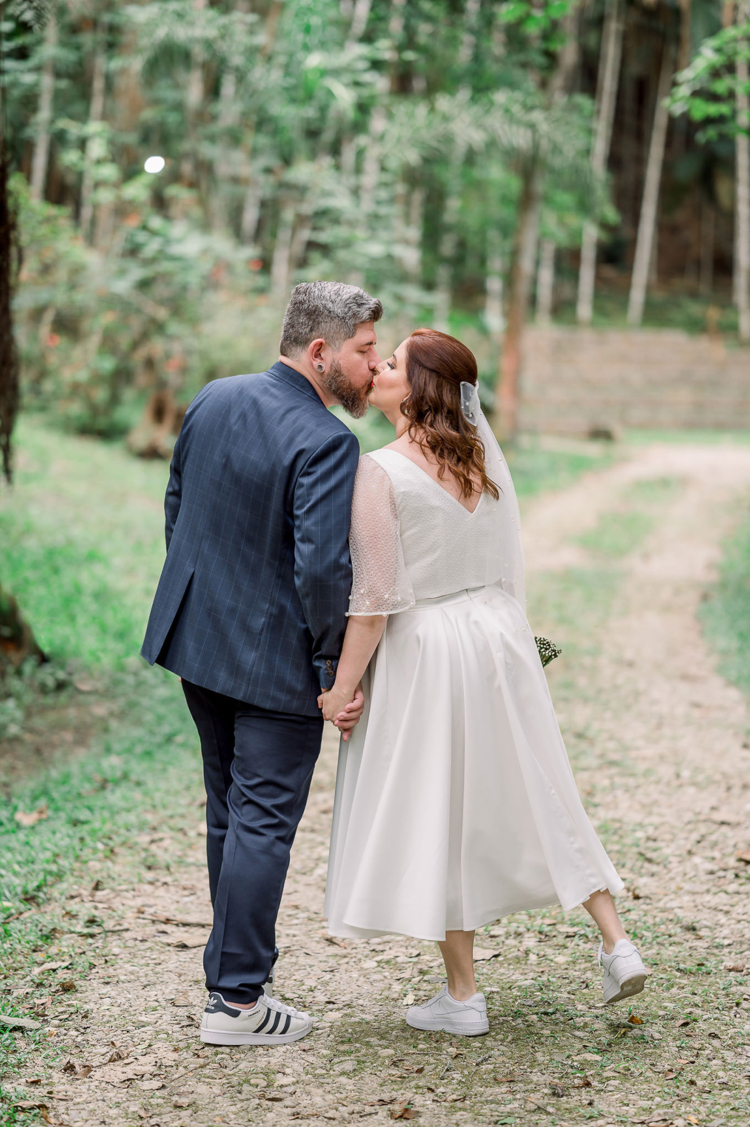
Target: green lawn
(726, 612)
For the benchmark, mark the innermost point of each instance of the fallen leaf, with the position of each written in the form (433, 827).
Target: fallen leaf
(381, 1103)
(684, 1021)
(79, 1071)
(184, 1101)
(19, 1022)
(558, 1090)
(85, 685)
(33, 1080)
(30, 1105)
(483, 954)
(403, 1113)
(151, 1085)
(456, 1053)
(408, 1000)
(32, 817)
(737, 968)
(670, 1075)
(44, 967)
(635, 1020)
(505, 1079)
(743, 855)
(582, 1082)
(181, 1000)
(184, 941)
(174, 920)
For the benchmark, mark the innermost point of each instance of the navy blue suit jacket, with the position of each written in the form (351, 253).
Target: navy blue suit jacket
(253, 596)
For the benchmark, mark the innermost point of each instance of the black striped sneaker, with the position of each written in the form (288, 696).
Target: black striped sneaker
(269, 1022)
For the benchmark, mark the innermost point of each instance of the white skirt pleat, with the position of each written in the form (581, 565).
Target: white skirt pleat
(455, 802)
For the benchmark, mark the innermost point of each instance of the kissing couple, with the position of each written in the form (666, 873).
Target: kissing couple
(384, 593)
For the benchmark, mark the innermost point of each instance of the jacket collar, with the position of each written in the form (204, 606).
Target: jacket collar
(296, 380)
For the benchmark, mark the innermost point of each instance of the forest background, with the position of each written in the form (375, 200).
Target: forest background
(472, 162)
(487, 168)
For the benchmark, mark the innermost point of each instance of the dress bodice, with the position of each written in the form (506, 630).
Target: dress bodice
(445, 547)
(411, 540)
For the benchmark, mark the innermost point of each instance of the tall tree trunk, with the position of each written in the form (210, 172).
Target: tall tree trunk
(360, 16)
(742, 193)
(606, 98)
(96, 114)
(507, 398)
(522, 272)
(9, 367)
(545, 282)
(194, 95)
(449, 237)
(649, 207)
(493, 283)
(281, 252)
(708, 228)
(224, 163)
(40, 159)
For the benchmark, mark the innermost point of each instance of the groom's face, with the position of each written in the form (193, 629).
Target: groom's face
(352, 369)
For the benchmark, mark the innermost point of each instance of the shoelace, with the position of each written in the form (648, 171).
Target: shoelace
(275, 1004)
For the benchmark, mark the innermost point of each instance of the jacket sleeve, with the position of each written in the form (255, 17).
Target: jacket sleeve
(322, 566)
(174, 492)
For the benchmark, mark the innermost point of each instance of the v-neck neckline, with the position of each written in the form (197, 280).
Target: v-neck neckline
(469, 512)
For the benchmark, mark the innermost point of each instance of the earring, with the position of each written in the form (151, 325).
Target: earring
(320, 367)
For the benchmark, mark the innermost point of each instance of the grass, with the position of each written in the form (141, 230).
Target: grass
(726, 612)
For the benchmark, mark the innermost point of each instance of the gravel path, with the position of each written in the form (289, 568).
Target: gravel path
(660, 744)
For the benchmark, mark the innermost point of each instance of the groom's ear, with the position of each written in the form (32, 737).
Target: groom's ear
(315, 351)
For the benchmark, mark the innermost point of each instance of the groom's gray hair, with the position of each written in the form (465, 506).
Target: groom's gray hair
(329, 310)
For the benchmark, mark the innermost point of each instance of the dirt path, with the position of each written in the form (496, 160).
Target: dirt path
(661, 747)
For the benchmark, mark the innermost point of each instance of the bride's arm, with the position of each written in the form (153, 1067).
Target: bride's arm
(363, 632)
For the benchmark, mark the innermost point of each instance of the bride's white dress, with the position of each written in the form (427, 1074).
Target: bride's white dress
(455, 802)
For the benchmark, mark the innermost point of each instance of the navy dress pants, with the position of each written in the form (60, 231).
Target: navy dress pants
(257, 767)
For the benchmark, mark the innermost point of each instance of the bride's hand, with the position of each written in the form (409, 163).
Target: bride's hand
(342, 709)
(348, 719)
(332, 702)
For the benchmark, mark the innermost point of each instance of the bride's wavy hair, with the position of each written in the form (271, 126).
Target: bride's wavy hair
(436, 365)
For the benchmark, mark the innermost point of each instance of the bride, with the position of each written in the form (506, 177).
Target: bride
(455, 802)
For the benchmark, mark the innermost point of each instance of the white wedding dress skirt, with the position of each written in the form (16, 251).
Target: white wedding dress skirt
(455, 802)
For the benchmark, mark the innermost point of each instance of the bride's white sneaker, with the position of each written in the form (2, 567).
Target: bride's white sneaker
(468, 1019)
(269, 1022)
(625, 973)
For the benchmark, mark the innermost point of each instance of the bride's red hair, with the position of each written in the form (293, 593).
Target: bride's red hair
(436, 365)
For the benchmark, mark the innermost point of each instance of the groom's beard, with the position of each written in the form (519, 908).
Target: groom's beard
(352, 399)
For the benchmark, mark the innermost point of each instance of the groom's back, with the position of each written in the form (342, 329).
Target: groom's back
(255, 585)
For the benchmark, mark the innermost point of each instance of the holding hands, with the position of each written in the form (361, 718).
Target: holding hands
(342, 708)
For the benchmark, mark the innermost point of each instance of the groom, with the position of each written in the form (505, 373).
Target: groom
(250, 612)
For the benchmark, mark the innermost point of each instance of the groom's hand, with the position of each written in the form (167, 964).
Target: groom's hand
(349, 717)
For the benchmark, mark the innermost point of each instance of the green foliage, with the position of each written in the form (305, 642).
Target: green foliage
(707, 89)
(297, 146)
(726, 612)
(82, 538)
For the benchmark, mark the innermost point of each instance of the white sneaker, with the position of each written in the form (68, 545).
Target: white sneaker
(624, 971)
(269, 1022)
(443, 1012)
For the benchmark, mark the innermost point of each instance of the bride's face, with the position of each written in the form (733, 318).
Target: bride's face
(390, 385)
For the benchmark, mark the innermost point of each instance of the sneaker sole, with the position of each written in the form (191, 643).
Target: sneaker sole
(628, 988)
(218, 1037)
(463, 1029)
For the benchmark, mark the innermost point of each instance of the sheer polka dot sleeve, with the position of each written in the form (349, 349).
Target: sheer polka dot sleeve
(380, 583)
